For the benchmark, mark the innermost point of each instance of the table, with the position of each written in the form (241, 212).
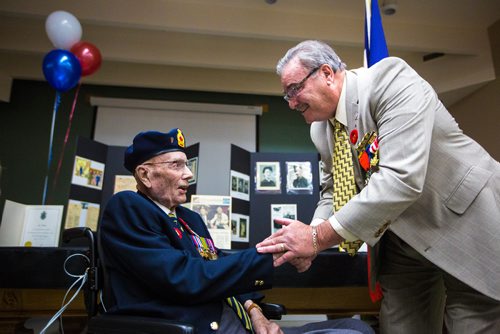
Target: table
(33, 283)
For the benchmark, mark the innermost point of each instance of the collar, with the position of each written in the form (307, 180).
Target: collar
(341, 113)
(163, 207)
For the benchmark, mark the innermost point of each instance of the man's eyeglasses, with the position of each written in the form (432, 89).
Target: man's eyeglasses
(177, 165)
(294, 89)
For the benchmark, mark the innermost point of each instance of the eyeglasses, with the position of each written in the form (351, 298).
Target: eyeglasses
(176, 165)
(294, 89)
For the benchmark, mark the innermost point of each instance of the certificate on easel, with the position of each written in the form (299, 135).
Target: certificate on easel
(30, 225)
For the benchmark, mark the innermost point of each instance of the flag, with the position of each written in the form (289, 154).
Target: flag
(375, 50)
(375, 45)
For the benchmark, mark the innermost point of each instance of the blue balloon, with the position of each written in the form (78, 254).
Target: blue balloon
(61, 69)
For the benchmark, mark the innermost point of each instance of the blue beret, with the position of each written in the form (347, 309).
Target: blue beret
(152, 143)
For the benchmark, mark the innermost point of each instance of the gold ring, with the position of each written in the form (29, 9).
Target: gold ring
(282, 246)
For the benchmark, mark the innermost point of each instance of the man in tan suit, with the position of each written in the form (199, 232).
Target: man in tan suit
(429, 196)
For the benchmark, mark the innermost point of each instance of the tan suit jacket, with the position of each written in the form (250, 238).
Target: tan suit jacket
(436, 188)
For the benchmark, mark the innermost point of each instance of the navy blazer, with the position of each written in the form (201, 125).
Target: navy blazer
(151, 271)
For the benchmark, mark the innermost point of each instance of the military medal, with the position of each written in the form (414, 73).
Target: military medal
(368, 154)
(205, 246)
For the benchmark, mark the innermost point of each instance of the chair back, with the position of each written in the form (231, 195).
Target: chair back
(102, 323)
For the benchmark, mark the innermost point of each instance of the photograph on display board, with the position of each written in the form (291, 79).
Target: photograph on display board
(82, 214)
(88, 173)
(216, 213)
(299, 177)
(234, 227)
(240, 227)
(282, 211)
(192, 164)
(240, 185)
(268, 176)
(124, 182)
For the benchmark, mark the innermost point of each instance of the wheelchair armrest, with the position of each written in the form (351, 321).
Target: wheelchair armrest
(273, 311)
(75, 232)
(126, 324)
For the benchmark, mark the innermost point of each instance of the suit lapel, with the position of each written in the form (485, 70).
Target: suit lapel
(353, 123)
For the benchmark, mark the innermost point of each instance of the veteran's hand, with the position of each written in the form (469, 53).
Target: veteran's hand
(261, 325)
(294, 240)
(301, 263)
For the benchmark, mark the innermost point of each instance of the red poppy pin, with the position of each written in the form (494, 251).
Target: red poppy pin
(354, 136)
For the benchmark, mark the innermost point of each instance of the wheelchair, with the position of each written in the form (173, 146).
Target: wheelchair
(101, 323)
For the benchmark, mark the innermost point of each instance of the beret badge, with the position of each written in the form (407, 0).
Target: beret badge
(180, 138)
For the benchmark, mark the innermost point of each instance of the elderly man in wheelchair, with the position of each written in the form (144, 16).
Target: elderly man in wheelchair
(159, 259)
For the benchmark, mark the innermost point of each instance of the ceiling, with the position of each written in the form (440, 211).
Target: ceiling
(233, 45)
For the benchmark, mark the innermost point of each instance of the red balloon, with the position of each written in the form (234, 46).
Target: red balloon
(88, 55)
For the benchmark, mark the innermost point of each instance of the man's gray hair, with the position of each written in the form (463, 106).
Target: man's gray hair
(311, 54)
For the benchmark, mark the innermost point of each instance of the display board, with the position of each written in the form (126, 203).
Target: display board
(281, 198)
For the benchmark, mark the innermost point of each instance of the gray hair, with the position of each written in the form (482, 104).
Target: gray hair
(311, 54)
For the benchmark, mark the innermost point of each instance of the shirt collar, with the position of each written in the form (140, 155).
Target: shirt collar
(164, 208)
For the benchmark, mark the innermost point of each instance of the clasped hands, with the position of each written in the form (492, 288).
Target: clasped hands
(293, 243)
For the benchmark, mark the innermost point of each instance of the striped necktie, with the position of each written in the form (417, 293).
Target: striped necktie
(177, 227)
(344, 186)
(241, 313)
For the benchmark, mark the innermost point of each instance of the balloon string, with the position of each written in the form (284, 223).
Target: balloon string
(61, 156)
(57, 102)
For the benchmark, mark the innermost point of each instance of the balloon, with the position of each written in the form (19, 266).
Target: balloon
(63, 29)
(88, 55)
(61, 69)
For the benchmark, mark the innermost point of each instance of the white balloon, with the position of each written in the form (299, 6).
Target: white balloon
(63, 29)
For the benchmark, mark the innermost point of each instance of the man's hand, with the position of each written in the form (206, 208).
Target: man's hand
(261, 325)
(295, 243)
(294, 240)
